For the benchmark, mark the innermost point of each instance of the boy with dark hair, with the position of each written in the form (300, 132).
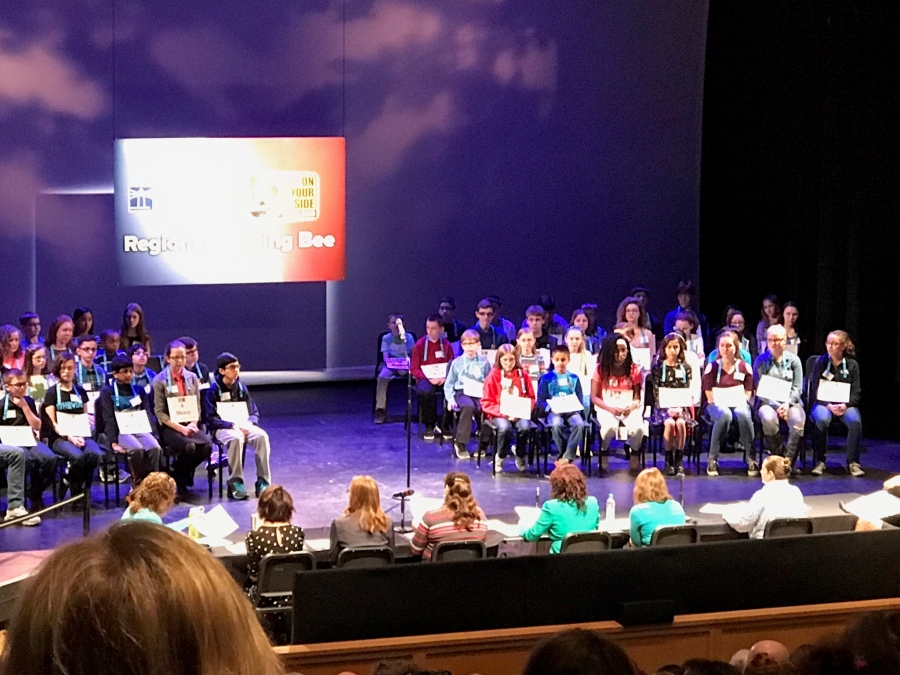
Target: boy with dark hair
(124, 418)
(232, 416)
(396, 348)
(90, 376)
(507, 326)
(193, 363)
(431, 357)
(490, 336)
(534, 319)
(31, 329)
(453, 328)
(685, 292)
(110, 341)
(560, 400)
(143, 376)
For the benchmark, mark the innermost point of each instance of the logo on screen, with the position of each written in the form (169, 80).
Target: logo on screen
(140, 199)
(289, 196)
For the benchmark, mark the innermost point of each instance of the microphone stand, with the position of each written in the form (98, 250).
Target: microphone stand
(409, 389)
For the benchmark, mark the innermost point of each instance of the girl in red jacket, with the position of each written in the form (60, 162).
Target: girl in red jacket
(508, 399)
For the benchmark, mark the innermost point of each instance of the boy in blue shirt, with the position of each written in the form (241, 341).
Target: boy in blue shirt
(554, 385)
(470, 366)
(397, 344)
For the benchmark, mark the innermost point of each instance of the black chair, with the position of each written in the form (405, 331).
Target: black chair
(156, 363)
(376, 556)
(455, 551)
(276, 580)
(168, 455)
(675, 535)
(788, 527)
(528, 438)
(586, 542)
(379, 362)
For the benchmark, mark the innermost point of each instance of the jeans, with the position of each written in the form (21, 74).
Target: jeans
(722, 419)
(576, 425)
(82, 461)
(822, 417)
(771, 425)
(12, 460)
(234, 442)
(504, 435)
(384, 378)
(41, 463)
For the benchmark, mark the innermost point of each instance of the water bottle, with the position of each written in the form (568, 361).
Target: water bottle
(610, 507)
(537, 496)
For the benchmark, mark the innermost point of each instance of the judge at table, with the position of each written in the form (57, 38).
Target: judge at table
(776, 499)
(570, 508)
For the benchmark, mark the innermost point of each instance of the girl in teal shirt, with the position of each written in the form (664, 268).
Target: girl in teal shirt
(569, 509)
(152, 499)
(653, 507)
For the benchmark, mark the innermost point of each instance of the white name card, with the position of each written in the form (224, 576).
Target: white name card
(236, 412)
(774, 389)
(183, 409)
(567, 403)
(20, 436)
(618, 398)
(397, 363)
(544, 353)
(473, 388)
(133, 422)
(435, 371)
(515, 407)
(92, 397)
(671, 397)
(642, 357)
(833, 392)
(729, 397)
(73, 425)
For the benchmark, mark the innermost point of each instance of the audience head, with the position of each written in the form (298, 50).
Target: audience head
(366, 500)
(534, 315)
(771, 309)
(615, 356)
(729, 345)
(110, 341)
(30, 323)
(398, 667)
(447, 308)
(10, 342)
(507, 358)
(685, 292)
(567, 484)
(176, 355)
(434, 327)
(459, 499)
(156, 493)
(672, 345)
(228, 367)
(122, 369)
(275, 505)
(874, 641)
(772, 648)
(838, 345)
(739, 659)
(775, 468)
(84, 321)
(135, 600)
(708, 667)
(650, 486)
(64, 367)
(776, 338)
(578, 652)
(789, 314)
(525, 341)
(470, 342)
(61, 331)
(36, 361)
(631, 311)
(559, 355)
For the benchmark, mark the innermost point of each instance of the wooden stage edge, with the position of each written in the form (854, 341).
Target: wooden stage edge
(504, 652)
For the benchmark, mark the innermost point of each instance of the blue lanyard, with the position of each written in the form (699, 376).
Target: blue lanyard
(844, 370)
(737, 368)
(74, 391)
(118, 395)
(683, 373)
(6, 405)
(521, 379)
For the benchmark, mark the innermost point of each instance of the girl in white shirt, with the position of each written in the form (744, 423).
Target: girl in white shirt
(776, 499)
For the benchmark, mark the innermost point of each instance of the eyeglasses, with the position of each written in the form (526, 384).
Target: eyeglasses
(89, 350)
(16, 384)
(471, 343)
(233, 366)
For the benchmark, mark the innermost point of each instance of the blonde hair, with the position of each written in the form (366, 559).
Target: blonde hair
(138, 599)
(470, 335)
(156, 493)
(650, 486)
(779, 466)
(735, 340)
(366, 500)
(846, 342)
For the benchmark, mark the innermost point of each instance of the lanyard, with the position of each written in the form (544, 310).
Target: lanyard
(844, 371)
(521, 379)
(6, 405)
(118, 395)
(683, 373)
(58, 395)
(737, 368)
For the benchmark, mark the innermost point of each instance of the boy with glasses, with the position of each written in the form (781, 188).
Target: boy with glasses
(31, 329)
(489, 335)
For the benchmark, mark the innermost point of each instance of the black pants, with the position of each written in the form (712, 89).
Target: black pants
(428, 394)
(188, 453)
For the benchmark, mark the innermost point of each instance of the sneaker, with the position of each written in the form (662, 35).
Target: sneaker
(480, 452)
(429, 434)
(855, 470)
(670, 470)
(561, 461)
(237, 491)
(819, 469)
(447, 435)
(712, 468)
(380, 416)
(498, 463)
(461, 451)
(19, 512)
(124, 477)
(521, 464)
(679, 471)
(261, 484)
(753, 469)
(105, 476)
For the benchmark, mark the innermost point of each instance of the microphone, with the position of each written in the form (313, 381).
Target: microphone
(401, 329)
(406, 493)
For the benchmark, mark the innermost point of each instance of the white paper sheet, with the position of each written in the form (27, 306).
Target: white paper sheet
(874, 507)
(729, 397)
(183, 409)
(419, 505)
(506, 529)
(237, 548)
(515, 407)
(714, 509)
(773, 389)
(568, 403)
(17, 436)
(473, 388)
(133, 422)
(614, 525)
(670, 397)
(216, 523)
(73, 425)
(528, 516)
(618, 398)
(642, 357)
(236, 412)
(317, 544)
(435, 371)
(833, 392)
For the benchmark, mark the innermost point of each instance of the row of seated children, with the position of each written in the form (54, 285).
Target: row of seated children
(618, 397)
(83, 410)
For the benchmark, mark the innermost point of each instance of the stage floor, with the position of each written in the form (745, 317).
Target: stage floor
(314, 456)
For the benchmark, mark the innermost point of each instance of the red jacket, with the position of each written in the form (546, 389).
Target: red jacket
(490, 402)
(420, 358)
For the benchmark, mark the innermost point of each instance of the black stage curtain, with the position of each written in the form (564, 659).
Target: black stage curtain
(800, 176)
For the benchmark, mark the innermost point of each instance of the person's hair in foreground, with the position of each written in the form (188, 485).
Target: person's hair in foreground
(137, 599)
(578, 652)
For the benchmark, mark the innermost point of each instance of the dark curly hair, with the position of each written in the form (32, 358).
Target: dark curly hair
(606, 361)
(567, 484)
